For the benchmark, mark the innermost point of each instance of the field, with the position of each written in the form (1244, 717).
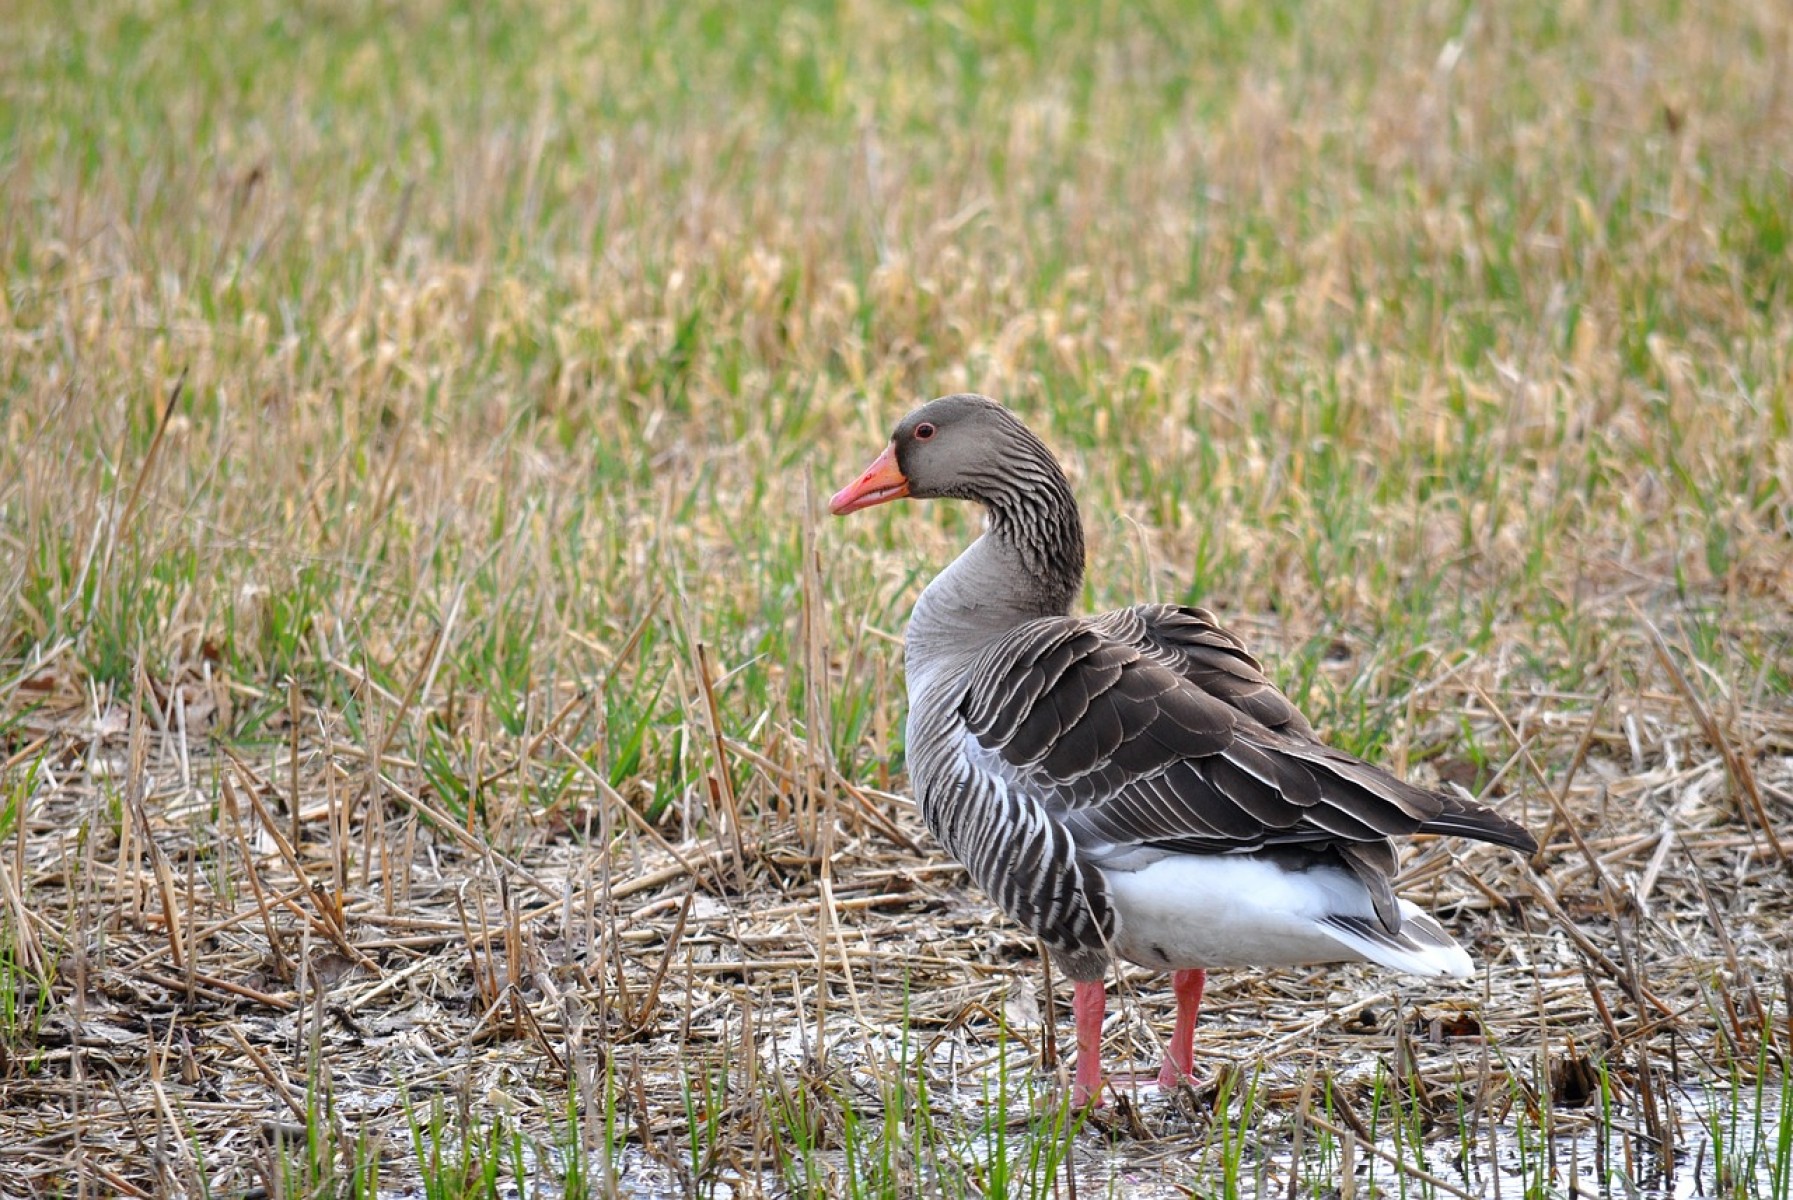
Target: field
(447, 750)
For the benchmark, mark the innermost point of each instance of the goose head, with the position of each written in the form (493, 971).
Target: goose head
(969, 447)
(964, 447)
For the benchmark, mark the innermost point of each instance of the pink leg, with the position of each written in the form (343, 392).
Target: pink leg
(1179, 1059)
(1088, 1002)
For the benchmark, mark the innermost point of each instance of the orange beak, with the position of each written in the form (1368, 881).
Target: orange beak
(882, 481)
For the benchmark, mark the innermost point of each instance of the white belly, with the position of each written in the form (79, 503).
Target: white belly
(1190, 911)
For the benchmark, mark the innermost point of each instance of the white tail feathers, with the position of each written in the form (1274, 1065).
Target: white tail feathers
(1422, 947)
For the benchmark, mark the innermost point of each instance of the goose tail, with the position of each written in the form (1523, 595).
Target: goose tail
(1419, 947)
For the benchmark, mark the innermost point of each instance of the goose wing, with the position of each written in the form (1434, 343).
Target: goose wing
(1152, 729)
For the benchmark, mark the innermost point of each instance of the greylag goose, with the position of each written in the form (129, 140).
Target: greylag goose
(1131, 785)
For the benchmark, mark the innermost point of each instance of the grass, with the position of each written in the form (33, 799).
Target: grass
(430, 695)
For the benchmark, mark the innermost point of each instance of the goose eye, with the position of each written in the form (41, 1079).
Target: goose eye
(923, 432)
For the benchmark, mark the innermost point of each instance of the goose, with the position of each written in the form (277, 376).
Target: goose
(1132, 785)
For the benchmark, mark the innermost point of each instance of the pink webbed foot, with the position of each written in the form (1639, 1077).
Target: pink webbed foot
(1179, 1056)
(1089, 1000)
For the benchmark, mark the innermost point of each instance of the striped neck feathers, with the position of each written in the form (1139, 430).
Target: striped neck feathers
(1027, 565)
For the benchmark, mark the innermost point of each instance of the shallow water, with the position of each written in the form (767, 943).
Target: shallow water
(1738, 1149)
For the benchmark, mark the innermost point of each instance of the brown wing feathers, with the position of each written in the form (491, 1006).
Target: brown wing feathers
(1198, 648)
(1098, 719)
(1465, 818)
